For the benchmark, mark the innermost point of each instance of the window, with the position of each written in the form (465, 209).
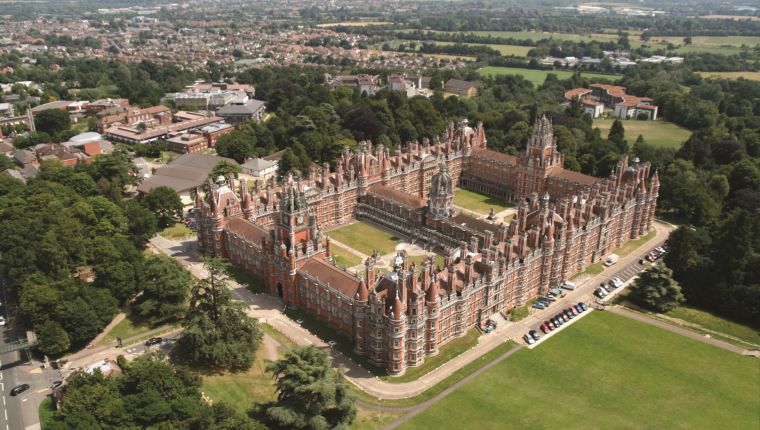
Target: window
(395, 343)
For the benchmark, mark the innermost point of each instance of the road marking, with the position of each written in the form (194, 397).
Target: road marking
(5, 411)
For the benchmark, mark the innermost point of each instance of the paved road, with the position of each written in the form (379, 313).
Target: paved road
(269, 308)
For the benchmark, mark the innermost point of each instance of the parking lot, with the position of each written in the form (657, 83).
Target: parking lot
(586, 293)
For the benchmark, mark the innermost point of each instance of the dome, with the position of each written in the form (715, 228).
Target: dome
(89, 136)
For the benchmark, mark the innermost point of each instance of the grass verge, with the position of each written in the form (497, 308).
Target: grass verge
(716, 323)
(593, 269)
(617, 373)
(455, 377)
(178, 231)
(132, 325)
(447, 352)
(344, 257)
(632, 245)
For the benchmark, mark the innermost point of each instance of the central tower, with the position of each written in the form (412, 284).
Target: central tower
(441, 193)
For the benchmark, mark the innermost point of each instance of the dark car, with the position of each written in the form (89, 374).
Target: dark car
(534, 335)
(153, 341)
(578, 308)
(18, 389)
(568, 314)
(538, 305)
(583, 306)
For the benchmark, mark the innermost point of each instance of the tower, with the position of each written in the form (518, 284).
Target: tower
(441, 194)
(539, 157)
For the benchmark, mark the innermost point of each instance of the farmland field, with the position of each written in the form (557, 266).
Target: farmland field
(753, 76)
(658, 132)
(539, 76)
(608, 372)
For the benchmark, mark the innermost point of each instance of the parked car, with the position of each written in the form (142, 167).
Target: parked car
(563, 317)
(573, 311)
(599, 293)
(2, 321)
(538, 305)
(529, 340)
(18, 389)
(545, 328)
(534, 335)
(583, 306)
(569, 285)
(550, 323)
(569, 313)
(578, 308)
(153, 341)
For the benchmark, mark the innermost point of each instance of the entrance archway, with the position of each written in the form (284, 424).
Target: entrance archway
(279, 289)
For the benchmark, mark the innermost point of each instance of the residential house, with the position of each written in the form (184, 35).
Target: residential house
(259, 167)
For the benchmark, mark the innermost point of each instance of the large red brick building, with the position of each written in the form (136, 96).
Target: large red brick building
(565, 221)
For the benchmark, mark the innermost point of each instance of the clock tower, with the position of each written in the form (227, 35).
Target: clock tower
(298, 225)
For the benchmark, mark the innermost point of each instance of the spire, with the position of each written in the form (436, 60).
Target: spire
(431, 295)
(362, 293)
(397, 307)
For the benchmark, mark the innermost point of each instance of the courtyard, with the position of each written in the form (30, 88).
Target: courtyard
(607, 371)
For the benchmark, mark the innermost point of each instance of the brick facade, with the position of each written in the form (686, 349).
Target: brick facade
(565, 221)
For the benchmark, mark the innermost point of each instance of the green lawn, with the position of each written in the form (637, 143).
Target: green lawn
(477, 202)
(658, 132)
(448, 351)
(46, 412)
(753, 76)
(365, 238)
(520, 313)
(130, 326)
(417, 259)
(716, 323)
(343, 257)
(632, 245)
(539, 76)
(178, 231)
(241, 389)
(607, 371)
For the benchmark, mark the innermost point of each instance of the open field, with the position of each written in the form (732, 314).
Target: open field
(354, 23)
(658, 132)
(241, 389)
(539, 76)
(710, 41)
(736, 17)
(753, 76)
(476, 202)
(607, 372)
(520, 51)
(365, 238)
(178, 231)
(449, 57)
(534, 35)
(344, 257)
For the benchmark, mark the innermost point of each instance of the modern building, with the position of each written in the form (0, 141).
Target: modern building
(591, 104)
(565, 222)
(259, 167)
(625, 105)
(461, 88)
(242, 110)
(141, 133)
(184, 174)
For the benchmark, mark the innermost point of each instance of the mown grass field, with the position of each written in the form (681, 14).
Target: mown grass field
(539, 76)
(447, 352)
(632, 245)
(365, 238)
(607, 371)
(476, 202)
(753, 76)
(354, 23)
(417, 259)
(658, 132)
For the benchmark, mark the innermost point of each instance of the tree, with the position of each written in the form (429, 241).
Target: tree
(310, 395)
(142, 224)
(166, 285)
(287, 163)
(218, 334)
(165, 203)
(656, 289)
(52, 121)
(617, 136)
(237, 145)
(118, 277)
(225, 169)
(53, 339)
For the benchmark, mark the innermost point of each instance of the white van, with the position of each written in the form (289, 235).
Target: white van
(569, 285)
